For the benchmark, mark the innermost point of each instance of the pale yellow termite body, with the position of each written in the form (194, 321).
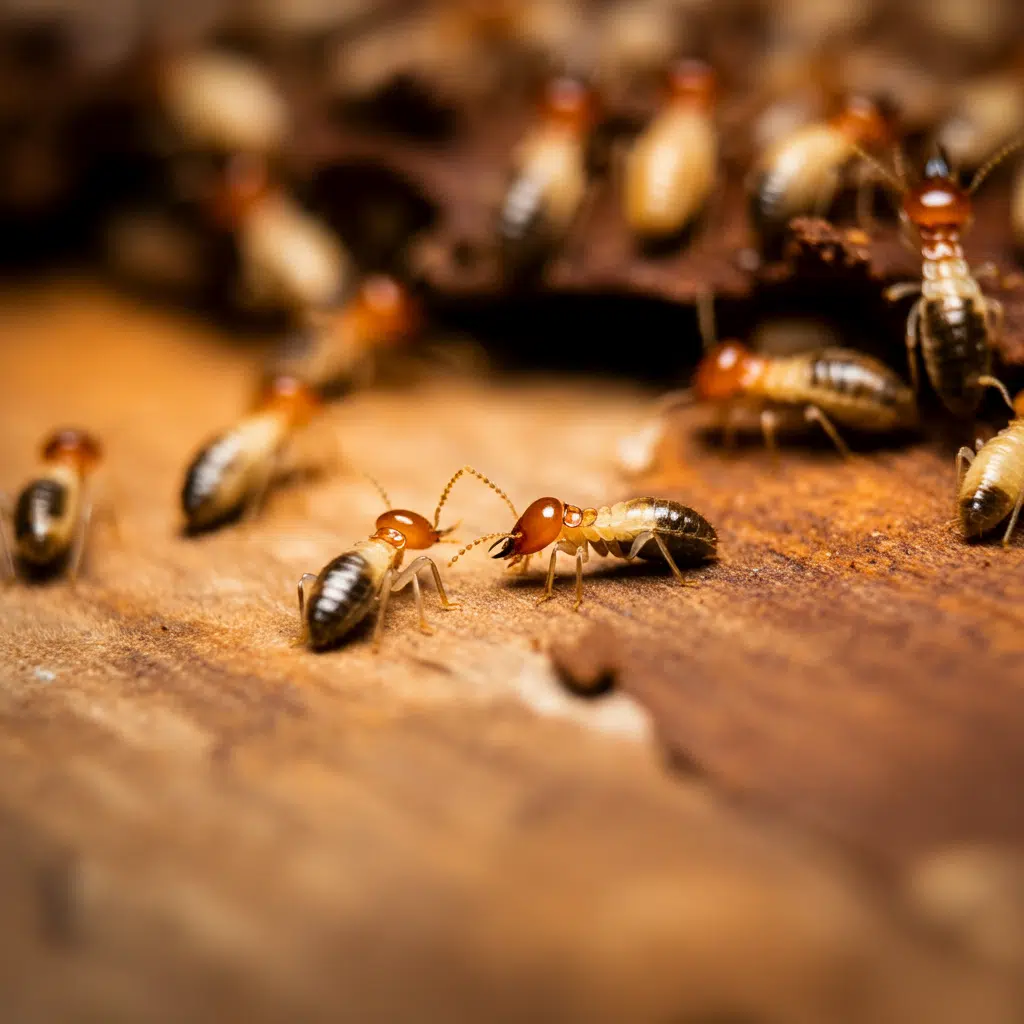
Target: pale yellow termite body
(993, 486)
(671, 169)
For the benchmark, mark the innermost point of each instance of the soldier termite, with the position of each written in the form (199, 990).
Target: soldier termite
(670, 171)
(549, 179)
(654, 529)
(52, 514)
(993, 486)
(231, 474)
(954, 323)
(347, 588)
(802, 175)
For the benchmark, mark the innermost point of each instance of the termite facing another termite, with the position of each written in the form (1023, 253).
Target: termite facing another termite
(954, 323)
(654, 529)
(671, 169)
(52, 514)
(802, 175)
(993, 486)
(549, 179)
(231, 474)
(348, 586)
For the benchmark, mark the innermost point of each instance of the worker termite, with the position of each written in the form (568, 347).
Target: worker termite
(345, 343)
(955, 325)
(231, 474)
(670, 171)
(549, 179)
(654, 529)
(347, 588)
(993, 486)
(288, 259)
(52, 514)
(802, 174)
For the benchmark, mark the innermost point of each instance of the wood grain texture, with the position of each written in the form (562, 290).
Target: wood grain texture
(203, 821)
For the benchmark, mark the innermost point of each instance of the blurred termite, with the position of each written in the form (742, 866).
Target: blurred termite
(635, 41)
(549, 179)
(802, 174)
(655, 529)
(289, 260)
(231, 474)
(346, 344)
(348, 587)
(52, 513)
(993, 486)
(827, 386)
(670, 171)
(988, 114)
(954, 323)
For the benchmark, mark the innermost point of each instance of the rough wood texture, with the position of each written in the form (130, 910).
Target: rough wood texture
(205, 822)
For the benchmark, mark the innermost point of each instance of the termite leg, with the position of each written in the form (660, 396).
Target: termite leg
(895, 292)
(524, 565)
(303, 580)
(814, 415)
(81, 534)
(964, 458)
(382, 607)
(425, 627)
(1013, 518)
(10, 573)
(769, 421)
(989, 381)
(549, 583)
(416, 566)
(913, 322)
(582, 555)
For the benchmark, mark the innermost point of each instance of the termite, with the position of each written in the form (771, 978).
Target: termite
(549, 180)
(655, 529)
(993, 486)
(345, 343)
(348, 587)
(955, 324)
(288, 259)
(52, 514)
(802, 174)
(670, 171)
(988, 114)
(232, 473)
(1017, 209)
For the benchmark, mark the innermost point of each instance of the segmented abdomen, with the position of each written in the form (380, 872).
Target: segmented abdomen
(689, 537)
(212, 492)
(993, 482)
(340, 599)
(955, 348)
(42, 530)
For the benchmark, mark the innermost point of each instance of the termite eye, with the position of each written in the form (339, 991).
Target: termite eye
(74, 445)
(721, 372)
(539, 525)
(416, 529)
(693, 81)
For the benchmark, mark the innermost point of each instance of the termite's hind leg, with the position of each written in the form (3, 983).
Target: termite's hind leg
(769, 421)
(647, 535)
(549, 583)
(81, 536)
(303, 580)
(964, 458)
(1013, 518)
(411, 573)
(814, 415)
(382, 607)
(582, 555)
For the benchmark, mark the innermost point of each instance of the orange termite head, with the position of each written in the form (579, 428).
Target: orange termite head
(938, 201)
(291, 396)
(241, 186)
(537, 527)
(725, 372)
(693, 83)
(866, 122)
(73, 446)
(387, 310)
(415, 530)
(569, 103)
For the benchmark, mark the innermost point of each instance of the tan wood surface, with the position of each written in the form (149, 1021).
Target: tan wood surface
(202, 821)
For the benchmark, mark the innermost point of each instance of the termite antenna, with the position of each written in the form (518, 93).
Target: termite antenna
(479, 540)
(993, 162)
(896, 182)
(384, 494)
(706, 317)
(490, 483)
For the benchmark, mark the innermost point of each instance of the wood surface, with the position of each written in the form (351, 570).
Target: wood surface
(200, 820)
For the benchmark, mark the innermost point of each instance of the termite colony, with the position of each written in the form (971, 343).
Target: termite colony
(630, 120)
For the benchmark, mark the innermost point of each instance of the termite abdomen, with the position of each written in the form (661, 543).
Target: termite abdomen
(207, 481)
(955, 343)
(984, 509)
(341, 598)
(39, 507)
(689, 537)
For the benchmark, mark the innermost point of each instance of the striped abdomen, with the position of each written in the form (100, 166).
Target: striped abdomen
(853, 389)
(344, 593)
(689, 537)
(45, 517)
(955, 348)
(798, 177)
(992, 482)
